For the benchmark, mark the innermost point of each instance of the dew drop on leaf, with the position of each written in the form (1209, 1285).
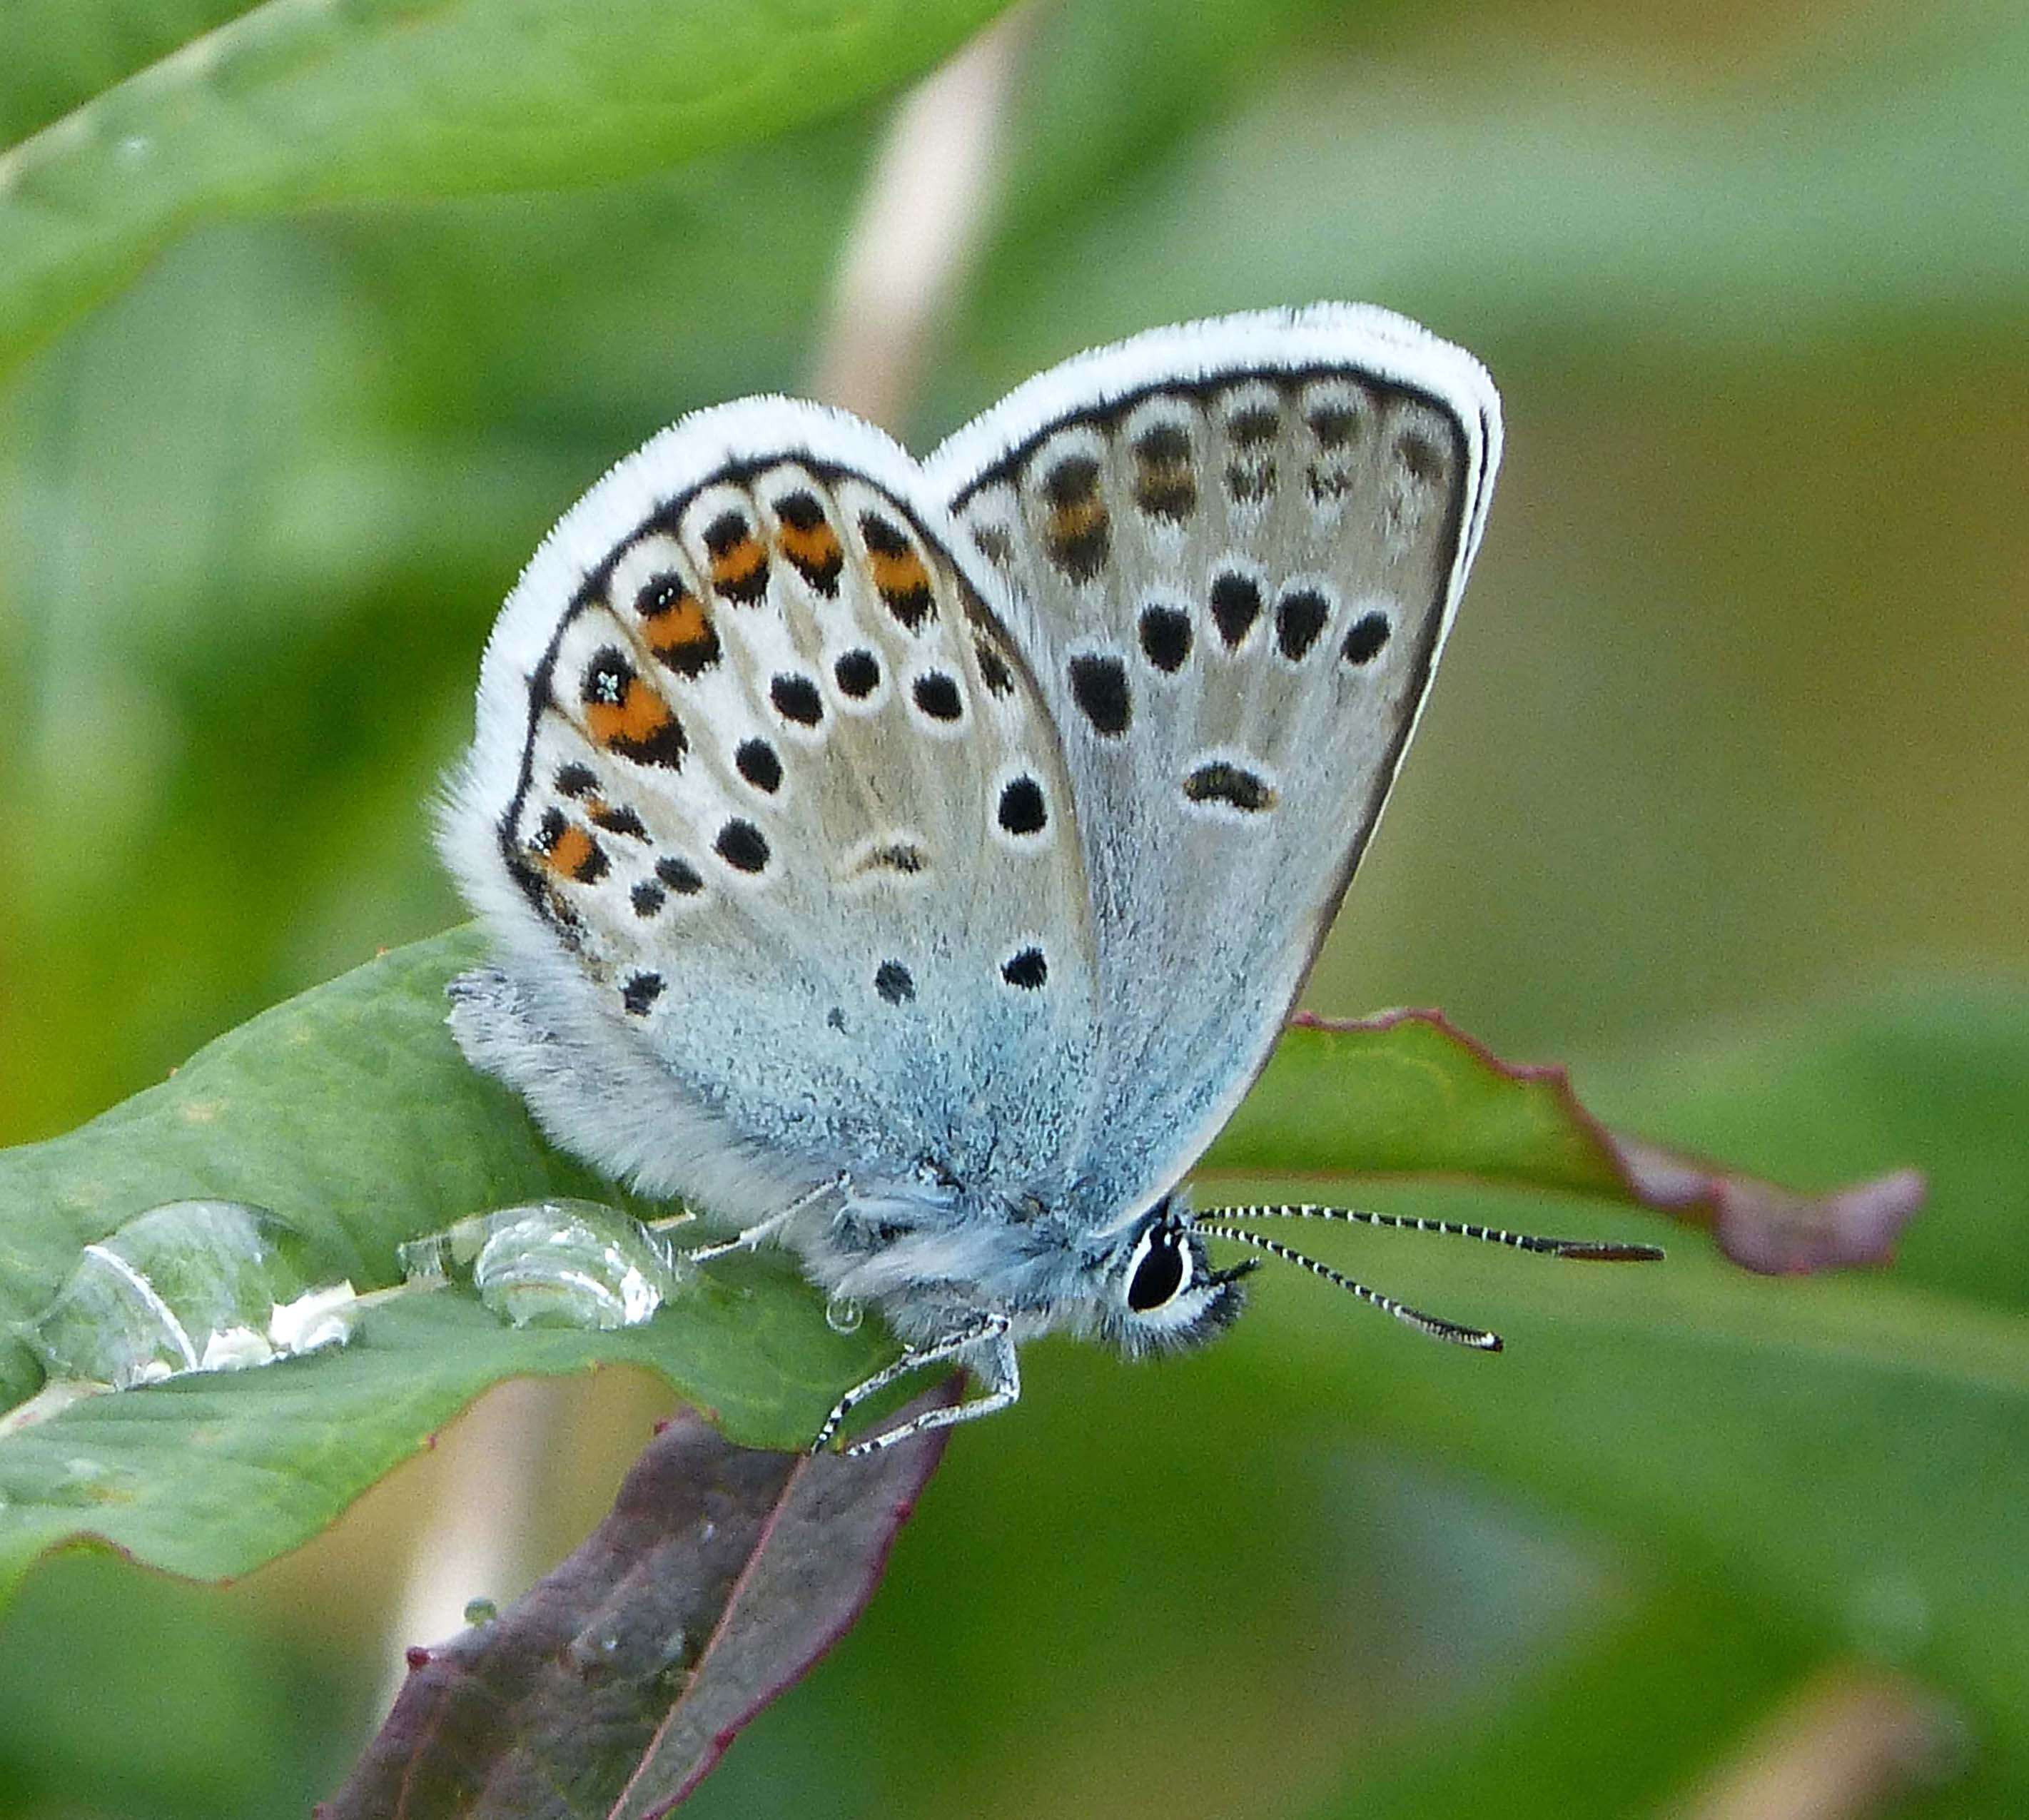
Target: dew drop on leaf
(191, 1286)
(554, 1263)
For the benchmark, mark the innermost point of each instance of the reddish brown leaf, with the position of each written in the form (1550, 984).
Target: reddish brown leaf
(720, 1575)
(1407, 1093)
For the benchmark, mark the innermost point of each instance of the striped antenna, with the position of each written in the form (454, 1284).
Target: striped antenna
(1477, 1338)
(1585, 1251)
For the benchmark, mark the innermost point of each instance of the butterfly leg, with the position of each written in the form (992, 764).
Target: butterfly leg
(997, 1366)
(750, 1239)
(1003, 1386)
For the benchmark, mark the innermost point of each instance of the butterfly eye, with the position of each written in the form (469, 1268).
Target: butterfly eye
(1160, 1270)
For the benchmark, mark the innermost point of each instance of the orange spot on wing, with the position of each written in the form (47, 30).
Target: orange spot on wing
(679, 615)
(639, 717)
(814, 547)
(738, 564)
(573, 854)
(901, 573)
(1068, 523)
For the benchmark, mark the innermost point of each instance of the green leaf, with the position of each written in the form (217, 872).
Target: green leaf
(212, 1474)
(296, 102)
(1406, 1094)
(350, 1112)
(1850, 1454)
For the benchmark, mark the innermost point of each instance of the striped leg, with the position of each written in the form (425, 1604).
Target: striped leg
(1003, 1384)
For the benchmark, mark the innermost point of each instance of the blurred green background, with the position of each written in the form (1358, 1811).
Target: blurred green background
(1733, 728)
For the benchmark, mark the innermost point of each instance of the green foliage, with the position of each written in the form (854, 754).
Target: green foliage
(1749, 1478)
(1409, 1096)
(350, 1113)
(1732, 722)
(196, 1707)
(292, 102)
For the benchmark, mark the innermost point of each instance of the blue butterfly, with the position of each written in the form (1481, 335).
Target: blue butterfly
(915, 863)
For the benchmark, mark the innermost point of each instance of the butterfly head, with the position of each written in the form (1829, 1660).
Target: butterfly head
(1160, 1292)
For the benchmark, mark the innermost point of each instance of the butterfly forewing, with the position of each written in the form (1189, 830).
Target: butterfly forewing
(786, 810)
(1231, 558)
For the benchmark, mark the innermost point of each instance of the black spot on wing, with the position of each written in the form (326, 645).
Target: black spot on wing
(993, 670)
(742, 846)
(1218, 782)
(1022, 808)
(738, 562)
(796, 699)
(902, 856)
(857, 672)
(1099, 686)
(1250, 482)
(1333, 424)
(759, 763)
(1366, 638)
(1026, 969)
(1253, 425)
(1166, 484)
(1323, 482)
(808, 540)
(1300, 618)
(1420, 455)
(900, 574)
(937, 695)
(1166, 637)
(641, 990)
(1236, 604)
(1077, 530)
(679, 875)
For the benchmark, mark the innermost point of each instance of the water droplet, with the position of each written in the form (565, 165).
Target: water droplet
(317, 1317)
(843, 1313)
(480, 1611)
(191, 1286)
(573, 1264)
(423, 1262)
(234, 1349)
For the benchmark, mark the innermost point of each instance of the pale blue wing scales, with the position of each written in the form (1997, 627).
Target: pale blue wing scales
(1231, 552)
(767, 811)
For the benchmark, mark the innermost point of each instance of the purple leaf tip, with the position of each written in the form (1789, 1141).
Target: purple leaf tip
(1774, 1230)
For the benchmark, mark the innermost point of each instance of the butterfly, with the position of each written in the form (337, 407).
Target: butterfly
(914, 863)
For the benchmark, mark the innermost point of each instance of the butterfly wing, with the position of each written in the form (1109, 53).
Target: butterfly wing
(1231, 551)
(768, 820)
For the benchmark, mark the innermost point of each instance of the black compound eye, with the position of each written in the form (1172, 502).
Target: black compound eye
(1161, 1273)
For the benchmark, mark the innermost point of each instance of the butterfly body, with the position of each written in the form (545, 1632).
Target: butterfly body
(914, 864)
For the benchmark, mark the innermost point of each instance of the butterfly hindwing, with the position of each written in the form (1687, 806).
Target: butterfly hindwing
(767, 801)
(1230, 552)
